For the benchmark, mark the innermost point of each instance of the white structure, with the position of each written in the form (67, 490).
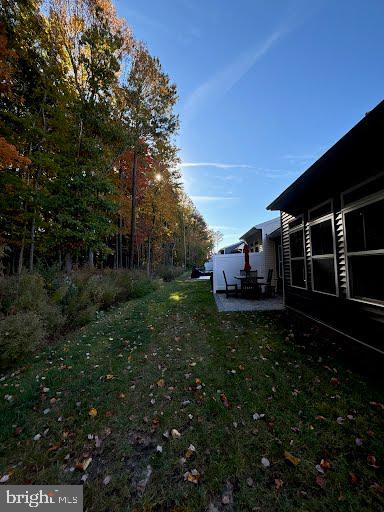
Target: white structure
(265, 251)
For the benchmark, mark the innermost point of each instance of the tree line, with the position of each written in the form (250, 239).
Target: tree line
(88, 161)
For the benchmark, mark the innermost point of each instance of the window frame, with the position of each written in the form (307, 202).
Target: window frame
(372, 198)
(356, 187)
(301, 227)
(330, 200)
(329, 216)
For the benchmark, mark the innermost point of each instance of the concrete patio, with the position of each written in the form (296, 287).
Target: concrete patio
(239, 304)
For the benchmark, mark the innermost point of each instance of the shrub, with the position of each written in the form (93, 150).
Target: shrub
(132, 284)
(27, 293)
(169, 273)
(19, 336)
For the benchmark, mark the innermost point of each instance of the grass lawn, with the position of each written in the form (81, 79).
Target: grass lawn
(118, 404)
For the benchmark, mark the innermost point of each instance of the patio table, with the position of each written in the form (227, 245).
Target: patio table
(247, 277)
(243, 279)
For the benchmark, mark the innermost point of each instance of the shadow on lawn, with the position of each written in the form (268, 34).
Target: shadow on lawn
(325, 345)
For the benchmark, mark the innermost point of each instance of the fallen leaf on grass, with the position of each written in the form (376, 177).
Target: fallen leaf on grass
(190, 452)
(225, 400)
(335, 381)
(358, 441)
(377, 488)
(82, 466)
(291, 458)
(160, 383)
(320, 481)
(325, 464)
(192, 476)
(354, 479)
(372, 461)
(107, 479)
(258, 416)
(92, 412)
(53, 448)
(265, 462)
(278, 484)
(175, 433)
(377, 405)
(4, 479)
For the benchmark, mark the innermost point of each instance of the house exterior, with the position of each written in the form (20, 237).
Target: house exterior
(232, 249)
(332, 220)
(265, 238)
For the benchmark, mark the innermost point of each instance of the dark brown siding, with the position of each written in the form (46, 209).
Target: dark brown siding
(362, 321)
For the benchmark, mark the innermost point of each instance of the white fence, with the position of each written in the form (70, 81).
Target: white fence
(232, 264)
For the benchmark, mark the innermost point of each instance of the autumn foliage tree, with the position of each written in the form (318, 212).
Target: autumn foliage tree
(87, 156)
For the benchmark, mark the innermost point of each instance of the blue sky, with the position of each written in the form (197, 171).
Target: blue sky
(265, 88)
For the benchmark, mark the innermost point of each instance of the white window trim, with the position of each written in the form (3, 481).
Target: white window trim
(324, 218)
(301, 227)
(373, 198)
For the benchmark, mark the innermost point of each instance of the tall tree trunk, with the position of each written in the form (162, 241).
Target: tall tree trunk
(149, 258)
(68, 262)
(91, 257)
(21, 254)
(133, 212)
(116, 261)
(120, 242)
(32, 248)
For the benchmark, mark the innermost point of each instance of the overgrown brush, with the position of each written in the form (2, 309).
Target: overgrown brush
(34, 308)
(169, 273)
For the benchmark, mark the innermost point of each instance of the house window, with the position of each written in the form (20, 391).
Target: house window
(323, 256)
(365, 251)
(297, 255)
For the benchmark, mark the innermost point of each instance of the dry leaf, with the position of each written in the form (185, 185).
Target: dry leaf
(190, 452)
(107, 479)
(291, 458)
(372, 461)
(320, 481)
(175, 433)
(192, 476)
(354, 479)
(278, 484)
(377, 488)
(92, 412)
(160, 383)
(325, 464)
(225, 400)
(53, 448)
(265, 462)
(82, 466)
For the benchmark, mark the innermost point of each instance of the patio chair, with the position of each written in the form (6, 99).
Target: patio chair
(269, 290)
(230, 289)
(250, 287)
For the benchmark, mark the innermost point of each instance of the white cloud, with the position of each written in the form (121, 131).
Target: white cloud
(225, 79)
(217, 165)
(212, 198)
